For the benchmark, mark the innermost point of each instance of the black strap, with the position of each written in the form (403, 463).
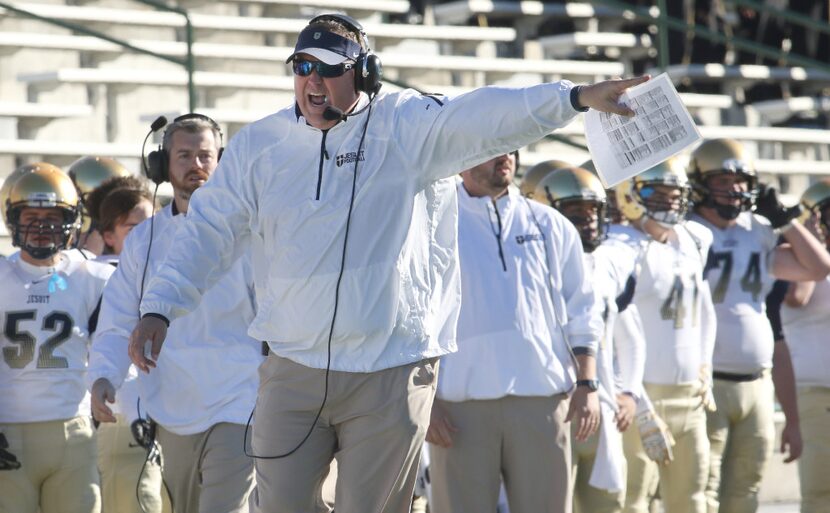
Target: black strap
(728, 376)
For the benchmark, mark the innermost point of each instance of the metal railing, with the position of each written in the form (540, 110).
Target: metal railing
(188, 62)
(665, 22)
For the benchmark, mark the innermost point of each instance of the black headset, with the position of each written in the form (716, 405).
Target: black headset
(158, 162)
(368, 68)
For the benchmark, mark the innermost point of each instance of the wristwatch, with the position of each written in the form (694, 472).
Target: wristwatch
(592, 384)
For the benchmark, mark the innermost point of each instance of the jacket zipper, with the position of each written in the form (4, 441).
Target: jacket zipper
(324, 155)
(498, 236)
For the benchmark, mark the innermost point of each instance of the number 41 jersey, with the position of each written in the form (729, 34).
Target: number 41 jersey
(673, 302)
(739, 277)
(45, 337)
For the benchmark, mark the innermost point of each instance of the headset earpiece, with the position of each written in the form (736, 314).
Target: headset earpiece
(158, 161)
(157, 166)
(368, 73)
(368, 68)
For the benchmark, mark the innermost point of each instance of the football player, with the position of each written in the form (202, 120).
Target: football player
(70, 252)
(743, 261)
(598, 462)
(534, 175)
(88, 173)
(805, 315)
(50, 307)
(678, 320)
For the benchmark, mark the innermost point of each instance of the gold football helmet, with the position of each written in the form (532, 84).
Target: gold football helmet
(87, 173)
(12, 178)
(640, 196)
(566, 188)
(720, 156)
(614, 214)
(45, 187)
(815, 200)
(535, 174)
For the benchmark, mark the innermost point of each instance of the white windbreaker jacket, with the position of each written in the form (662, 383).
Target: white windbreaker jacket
(512, 317)
(290, 184)
(207, 368)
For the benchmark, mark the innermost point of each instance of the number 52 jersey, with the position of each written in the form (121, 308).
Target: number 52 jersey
(46, 324)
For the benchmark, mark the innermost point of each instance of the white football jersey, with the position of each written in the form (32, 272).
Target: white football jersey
(739, 276)
(611, 266)
(671, 299)
(805, 330)
(615, 277)
(46, 327)
(73, 254)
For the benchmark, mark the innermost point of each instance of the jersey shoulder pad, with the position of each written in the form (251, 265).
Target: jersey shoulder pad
(626, 235)
(6, 267)
(701, 233)
(98, 270)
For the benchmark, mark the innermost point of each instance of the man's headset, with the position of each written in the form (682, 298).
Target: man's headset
(368, 68)
(157, 166)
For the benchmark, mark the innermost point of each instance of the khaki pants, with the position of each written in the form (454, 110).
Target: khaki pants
(588, 499)
(742, 435)
(207, 472)
(522, 440)
(682, 482)
(121, 462)
(374, 424)
(814, 464)
(58, 472)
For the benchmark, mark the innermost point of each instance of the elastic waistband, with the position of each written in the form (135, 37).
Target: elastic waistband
(728, 376)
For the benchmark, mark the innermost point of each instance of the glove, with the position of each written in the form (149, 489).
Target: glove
(8, 461)
(707, 400)
(769, 206)
(656, 437)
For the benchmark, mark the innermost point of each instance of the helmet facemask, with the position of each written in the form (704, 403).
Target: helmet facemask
(40, 237)
(659, 206)
(729, 210)
(590, 217)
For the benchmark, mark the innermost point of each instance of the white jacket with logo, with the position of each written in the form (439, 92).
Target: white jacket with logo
(290, 185)
(524, 285)
(207, 368)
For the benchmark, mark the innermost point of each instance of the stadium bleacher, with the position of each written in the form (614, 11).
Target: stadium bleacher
(67, 94)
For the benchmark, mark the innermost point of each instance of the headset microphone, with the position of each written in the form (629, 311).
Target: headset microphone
(334, 114)
(158, 124)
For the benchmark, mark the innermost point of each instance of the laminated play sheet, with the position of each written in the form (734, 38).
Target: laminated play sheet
(622, 147)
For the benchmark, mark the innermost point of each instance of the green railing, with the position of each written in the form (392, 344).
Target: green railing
(665, 22)
(188, 62)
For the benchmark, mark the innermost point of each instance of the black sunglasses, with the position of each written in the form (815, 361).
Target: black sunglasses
(304, 68)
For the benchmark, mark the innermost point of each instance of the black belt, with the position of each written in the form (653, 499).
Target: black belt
(728, 376)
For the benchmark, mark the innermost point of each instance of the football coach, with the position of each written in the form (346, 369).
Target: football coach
(347, 201)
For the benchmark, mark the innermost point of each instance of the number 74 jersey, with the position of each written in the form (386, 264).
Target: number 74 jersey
(45, 327)
(739, 276)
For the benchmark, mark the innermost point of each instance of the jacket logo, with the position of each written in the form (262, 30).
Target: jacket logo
(530, 237)
(348, 158)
